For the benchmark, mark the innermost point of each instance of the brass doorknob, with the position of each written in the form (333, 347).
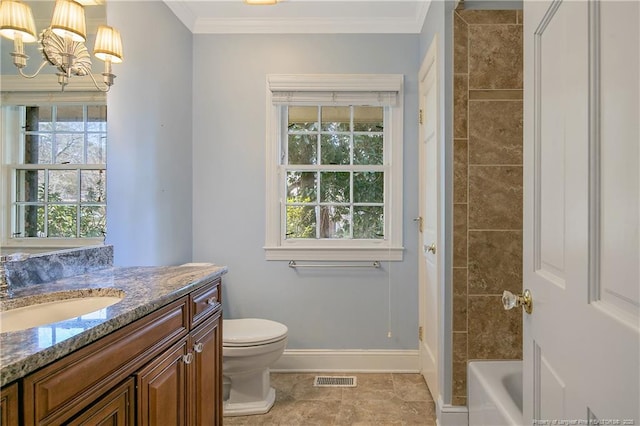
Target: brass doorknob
(510, 300)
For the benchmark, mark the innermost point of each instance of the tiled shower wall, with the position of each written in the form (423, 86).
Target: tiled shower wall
(487, 195)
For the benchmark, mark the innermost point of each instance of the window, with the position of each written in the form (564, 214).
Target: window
(334, 167)
(55, 174)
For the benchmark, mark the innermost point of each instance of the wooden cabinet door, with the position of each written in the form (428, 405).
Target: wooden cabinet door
(206, 373)
(162, 388)
(116, 408)
(9, 405)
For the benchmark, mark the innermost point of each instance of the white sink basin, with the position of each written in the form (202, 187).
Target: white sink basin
(53, 311)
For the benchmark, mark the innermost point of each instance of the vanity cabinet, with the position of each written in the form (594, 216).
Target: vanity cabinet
(166, 365)
(9, 405)
(182, 386)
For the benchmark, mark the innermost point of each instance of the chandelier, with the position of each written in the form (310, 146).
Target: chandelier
(62, 43)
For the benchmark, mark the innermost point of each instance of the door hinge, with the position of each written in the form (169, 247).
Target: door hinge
(420, 331)
(419, 221)
(421, 116)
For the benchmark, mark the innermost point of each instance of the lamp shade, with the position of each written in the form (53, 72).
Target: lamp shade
(68, 19)
(16, 18)
(108, 44)
(261, 2)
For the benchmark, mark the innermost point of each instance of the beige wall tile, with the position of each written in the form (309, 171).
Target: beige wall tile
(460, 170)
(459, 347)
(495, 198)
(459, 379)
(459, 322)
(495, 132)
(459, 281)
(474, 17)
(495, 94)
(460, 235)
(460, 101)
(493, 332)
(460, 45)
(495, 262)
(460, 401)
(495, 57)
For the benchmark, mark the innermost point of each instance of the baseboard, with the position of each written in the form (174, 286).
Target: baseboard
(356, 361)
(451, 415)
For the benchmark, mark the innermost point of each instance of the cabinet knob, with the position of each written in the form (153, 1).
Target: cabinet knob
(212, 301)
(187, 358)
(198, 347)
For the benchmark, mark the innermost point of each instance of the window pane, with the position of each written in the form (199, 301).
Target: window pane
(303, 118)
(334, 187)
(92, 221)
(30, 186)
(301, 187)
(367, 149)
(368, 119)
(63, 186)
(70, 118)
(61, 221)
(335, 149)
(69, 149)
(38, 118)
(336, 119)
(335, 222)
(29, 221)
(303, 149)
(96, 149)
(97, 118)
(301, 222)
(368, 222)
(92, 186)
(368, 187)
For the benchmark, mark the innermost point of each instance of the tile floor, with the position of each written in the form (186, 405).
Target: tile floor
(379, 399)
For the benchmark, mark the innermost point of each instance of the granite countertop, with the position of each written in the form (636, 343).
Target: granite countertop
(145, 290)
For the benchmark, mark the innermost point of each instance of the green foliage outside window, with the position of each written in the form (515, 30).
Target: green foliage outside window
(334, 173)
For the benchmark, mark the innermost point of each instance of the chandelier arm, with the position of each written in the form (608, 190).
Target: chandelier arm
(95, 83)
(36, 73)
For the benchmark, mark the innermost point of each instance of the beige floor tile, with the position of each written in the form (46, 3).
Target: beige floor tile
(379, 399)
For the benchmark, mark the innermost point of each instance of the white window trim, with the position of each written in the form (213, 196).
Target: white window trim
(391, 247)
(17, 90)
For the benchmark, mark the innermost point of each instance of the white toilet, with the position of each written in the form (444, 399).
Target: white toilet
(250, 346)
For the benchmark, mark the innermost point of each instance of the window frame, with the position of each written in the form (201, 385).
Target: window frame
(16, 94)
(316, 89)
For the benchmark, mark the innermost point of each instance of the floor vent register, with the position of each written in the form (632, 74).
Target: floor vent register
(335, 381)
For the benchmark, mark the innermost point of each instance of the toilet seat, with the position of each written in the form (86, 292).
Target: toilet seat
(251, 332)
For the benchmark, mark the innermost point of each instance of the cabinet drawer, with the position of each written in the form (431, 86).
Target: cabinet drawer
(204, 302)
(62, 389)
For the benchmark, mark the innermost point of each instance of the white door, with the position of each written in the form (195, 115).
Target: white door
(429, 289)
(582, 181)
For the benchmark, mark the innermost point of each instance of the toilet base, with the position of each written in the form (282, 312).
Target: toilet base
(230, 409)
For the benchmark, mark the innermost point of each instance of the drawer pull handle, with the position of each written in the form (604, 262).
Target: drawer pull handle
(198, 347)
(187, 358)
(212, 301)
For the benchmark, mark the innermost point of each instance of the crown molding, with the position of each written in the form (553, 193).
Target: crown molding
(300, 25)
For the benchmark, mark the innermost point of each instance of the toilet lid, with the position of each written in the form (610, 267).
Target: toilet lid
(251, 331)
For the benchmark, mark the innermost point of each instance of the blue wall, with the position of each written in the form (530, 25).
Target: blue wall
(150, 137)
(187, 164)
(332, 309)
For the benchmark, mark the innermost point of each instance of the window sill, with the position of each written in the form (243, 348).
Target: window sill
(335, 253)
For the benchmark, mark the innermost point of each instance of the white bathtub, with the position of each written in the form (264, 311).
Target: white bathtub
(495, 393)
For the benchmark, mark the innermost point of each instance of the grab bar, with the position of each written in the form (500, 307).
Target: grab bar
(293, 264)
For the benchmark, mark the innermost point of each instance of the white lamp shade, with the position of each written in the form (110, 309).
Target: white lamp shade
(261, 2)
(108, 44)
(16, 19)
(68, 19)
